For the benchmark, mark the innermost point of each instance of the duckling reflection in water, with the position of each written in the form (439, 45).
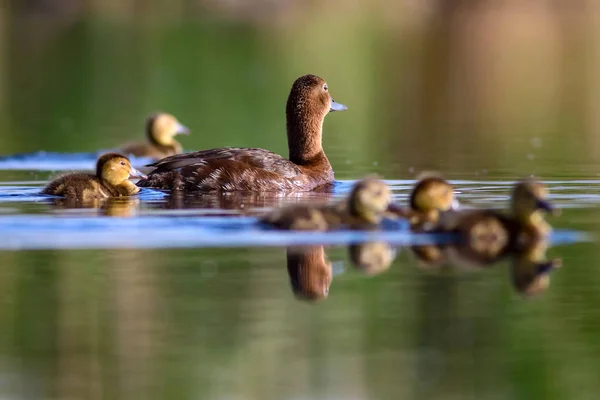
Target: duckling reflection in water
(112, 207)
(111, 180)
(161, 128)
(366, 205)
(372, 258)
(530, 269)
(490, 232)
(311, 272)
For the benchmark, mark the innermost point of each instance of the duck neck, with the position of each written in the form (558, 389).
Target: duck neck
(305, 138)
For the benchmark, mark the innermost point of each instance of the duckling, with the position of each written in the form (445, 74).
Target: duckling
(160, 130)
(372, 258)
(430, 197)
(251, 169)
(366, 205)
(309, 271)
(113, 171)
(490, 232)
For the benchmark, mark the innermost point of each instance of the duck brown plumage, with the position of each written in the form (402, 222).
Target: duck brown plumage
(111, 180)
(160, 131)
(252, 169)
(366, 205)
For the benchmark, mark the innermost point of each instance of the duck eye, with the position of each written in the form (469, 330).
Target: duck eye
(122, 162)
(325, 87)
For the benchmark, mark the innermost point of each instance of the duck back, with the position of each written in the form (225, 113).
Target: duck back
(237, 169)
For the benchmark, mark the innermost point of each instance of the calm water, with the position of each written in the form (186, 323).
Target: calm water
(164, 297)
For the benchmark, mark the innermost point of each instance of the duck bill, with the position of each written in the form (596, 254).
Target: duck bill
(455, 205)
(395, 209)
(337, 106)
(134, 173)
(182, 129)
(546, 206)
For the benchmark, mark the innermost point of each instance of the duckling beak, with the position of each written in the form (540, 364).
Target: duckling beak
(546, 206)
(455, 204)
(134, 173)
(182, 129)
(337, 106)
(394, 209)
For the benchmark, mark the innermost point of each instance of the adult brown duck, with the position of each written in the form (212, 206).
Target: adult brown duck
(252, 169)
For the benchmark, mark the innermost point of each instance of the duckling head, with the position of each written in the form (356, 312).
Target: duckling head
(307, 105)
(162, 127)
(115, 169)
(369, 200)
(529, 203)
(432, 195)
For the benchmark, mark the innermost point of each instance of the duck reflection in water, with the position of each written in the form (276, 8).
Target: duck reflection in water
(240, 203)
(530, 269)
(311, 272)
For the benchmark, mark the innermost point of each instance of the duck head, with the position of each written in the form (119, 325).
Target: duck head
(432, 195)
(369, 200)
(530, 203)
(308, 103)
(162, 127)
(115, 169)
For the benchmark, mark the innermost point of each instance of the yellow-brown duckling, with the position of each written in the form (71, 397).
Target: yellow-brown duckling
(430, 197)
(491, 232)
(366, 205)
(161, 128)
(113, 171)
(371, 258)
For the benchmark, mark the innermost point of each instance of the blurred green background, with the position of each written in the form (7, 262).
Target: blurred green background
(476, 89)
(429, 84)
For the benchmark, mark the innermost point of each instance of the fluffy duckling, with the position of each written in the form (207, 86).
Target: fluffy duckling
(111, 180)
(490, 232)
(366, 205)
(371, 258)
(160, 131)
(309, 271)
(251, 169)
(430, 197)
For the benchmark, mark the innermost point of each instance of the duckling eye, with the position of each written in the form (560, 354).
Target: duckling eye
(122, 162)
(325, 87)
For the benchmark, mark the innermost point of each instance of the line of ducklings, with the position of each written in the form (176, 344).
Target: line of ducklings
(432, 208)
(114, 170)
